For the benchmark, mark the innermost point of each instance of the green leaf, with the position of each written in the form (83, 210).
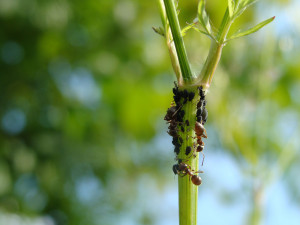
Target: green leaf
(159, 30)
(251, 30)
(242, 6)
(203, 18)
(231, 7)
(200, 31)
(188, 27)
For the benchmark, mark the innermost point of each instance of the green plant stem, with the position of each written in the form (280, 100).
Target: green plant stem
(257, 206)
(178, 41)
(210, 65)
(214, 54)
(170, 43)
(224, 28)
(188, 192)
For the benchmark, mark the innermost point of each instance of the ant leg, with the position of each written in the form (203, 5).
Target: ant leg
(182, 175)
(205, 135)
(203, 158)
(177, 110)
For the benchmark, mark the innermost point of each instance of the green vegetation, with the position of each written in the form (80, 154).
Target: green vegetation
(188, 193)
(84, 87)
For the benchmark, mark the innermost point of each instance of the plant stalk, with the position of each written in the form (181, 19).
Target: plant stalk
(210, 65)
(170, 43)
(178, 41)
(188, 192)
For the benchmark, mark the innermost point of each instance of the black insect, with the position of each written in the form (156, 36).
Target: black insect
(180, 140)
(199, 112)
(180, 115)
(173, 125)
(175, 90)
(185, 93)
(199, 118)
(177, 150)
(188, 150)
(199, 104)
(177, 98)
(172, 133)
(201, 92)
(171, 112)
(191, 96)
(175, 142)
(187, 122)
(204, 114)
(182, 129)
(175, 169)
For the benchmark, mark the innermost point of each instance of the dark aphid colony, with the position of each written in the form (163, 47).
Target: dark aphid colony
(175, 117)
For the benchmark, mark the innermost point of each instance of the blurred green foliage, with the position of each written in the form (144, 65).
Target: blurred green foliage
(84, 86)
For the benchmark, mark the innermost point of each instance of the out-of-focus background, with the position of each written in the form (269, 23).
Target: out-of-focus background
(84, 86)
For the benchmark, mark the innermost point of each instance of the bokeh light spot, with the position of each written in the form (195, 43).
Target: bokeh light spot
(14, 121)
(12, 53)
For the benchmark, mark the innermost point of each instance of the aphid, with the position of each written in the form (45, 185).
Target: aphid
(187, 123)
(172, 133)
(185, 93)
(177, 150)
(170, 113)
(191, 96)
(204, 114)
(175, 89)
(182, 113)
(199, 118)
(199, 112)
(175, 141)
(175, 169)
(177, 98)
(173, 125)
(180, 140)
(188, 150)
(201, 92)
(200, 130)
(182, 128)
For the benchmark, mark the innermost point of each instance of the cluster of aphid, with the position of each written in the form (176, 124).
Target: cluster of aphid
(175, 118)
